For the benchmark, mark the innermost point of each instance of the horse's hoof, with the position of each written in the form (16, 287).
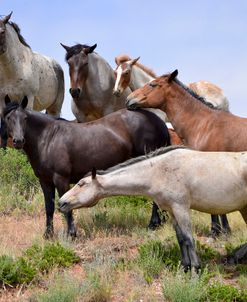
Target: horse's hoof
(72, 234)
(48, 235)
(154, 226)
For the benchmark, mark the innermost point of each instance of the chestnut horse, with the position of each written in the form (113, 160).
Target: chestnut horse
(200, 126)
(91, 83)
(130, 73)
(62, 152)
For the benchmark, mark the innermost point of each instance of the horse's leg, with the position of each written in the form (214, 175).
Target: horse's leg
(4, 134)
(49, 194)
(182, 226)
(62, 186)
(241, 252)
(215, 226)
(155, 220)
(225, 225)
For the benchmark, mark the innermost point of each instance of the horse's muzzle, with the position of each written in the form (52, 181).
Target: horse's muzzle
(75, 92)
(18, 143)
(132, 105)
(63, 206)
(117, 92)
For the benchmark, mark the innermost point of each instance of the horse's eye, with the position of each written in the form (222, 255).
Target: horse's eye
(153, 84)
(81, 183)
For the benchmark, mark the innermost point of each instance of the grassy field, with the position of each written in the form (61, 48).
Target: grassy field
(114, 258)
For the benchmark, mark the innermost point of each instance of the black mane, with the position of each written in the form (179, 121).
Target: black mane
(74, 50)
(195, 95)
(18, 31)
(134, 160)
(9, 107)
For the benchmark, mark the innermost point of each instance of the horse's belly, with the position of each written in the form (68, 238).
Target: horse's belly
(219, 200)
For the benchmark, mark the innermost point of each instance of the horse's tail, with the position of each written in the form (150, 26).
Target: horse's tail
(56, 107)
(158, 118)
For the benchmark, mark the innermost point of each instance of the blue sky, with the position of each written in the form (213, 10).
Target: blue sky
(204, 40)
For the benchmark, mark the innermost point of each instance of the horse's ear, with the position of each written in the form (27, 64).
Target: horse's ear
(132, 62)
(7, 99)
(173, 75)
(93, 173)
(24, 102)
(90, 49)
(67, 48)
(6, 18)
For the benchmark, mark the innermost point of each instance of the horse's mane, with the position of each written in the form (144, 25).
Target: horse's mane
(18, 31)
(14, 105)
(124, 58)
(75, 50)
(195, 95)
(9, 107)
(134, 160)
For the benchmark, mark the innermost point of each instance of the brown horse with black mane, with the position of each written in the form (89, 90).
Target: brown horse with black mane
(200, 126)
(63, 152)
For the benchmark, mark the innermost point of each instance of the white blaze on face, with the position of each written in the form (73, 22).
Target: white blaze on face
(119, 73)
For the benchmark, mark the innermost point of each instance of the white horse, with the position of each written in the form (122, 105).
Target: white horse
(178, 180)
(130, 73)
(91, 84)
(27, 73)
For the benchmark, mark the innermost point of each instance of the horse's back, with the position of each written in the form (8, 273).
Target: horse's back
(147, 130)
(212, 93)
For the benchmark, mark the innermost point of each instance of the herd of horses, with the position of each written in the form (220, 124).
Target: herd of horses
(105, 134)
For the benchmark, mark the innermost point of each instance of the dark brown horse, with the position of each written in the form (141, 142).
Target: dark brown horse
(200, 126)
(62, 152)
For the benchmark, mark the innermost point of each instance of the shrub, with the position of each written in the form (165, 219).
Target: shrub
(16, 170)
(36, 260)
(14, 272)
(227, 293)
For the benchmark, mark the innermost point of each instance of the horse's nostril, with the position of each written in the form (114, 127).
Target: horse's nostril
(75, 92)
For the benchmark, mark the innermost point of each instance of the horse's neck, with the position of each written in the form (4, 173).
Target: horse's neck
(16, 55)
(99, 86)
(126, 181)
(100, 75)
(35, 127)
(139, 78)
(186, 114)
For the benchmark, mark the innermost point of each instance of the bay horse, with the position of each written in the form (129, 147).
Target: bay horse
(62, 152)
(27, 73)
(178, 179)
(200, 125)
(130, 73)
(91, 83)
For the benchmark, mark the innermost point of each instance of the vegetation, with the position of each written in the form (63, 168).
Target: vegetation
(35, 261)
(114, 258)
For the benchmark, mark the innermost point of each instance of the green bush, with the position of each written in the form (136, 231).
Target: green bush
(36, 260)
(14, 272)
(223, 292)
(20, 189)
(16, 170)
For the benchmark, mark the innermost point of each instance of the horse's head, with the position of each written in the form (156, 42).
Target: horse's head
(77, 59)
(15, 120)
(123, 73)
(86, 193)
(3, 23)
(151, 95)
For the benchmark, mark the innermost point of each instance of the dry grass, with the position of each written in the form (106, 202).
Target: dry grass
(103, 254)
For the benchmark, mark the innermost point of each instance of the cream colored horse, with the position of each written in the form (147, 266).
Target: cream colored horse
(178, 180)
(27, 73)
